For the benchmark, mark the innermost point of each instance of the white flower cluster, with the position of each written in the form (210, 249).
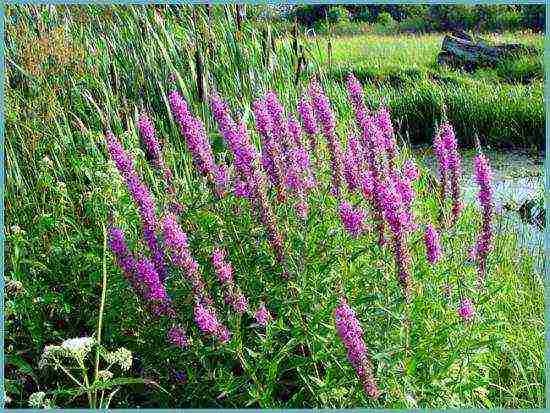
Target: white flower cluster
(104, 375)
(78, 346)
(74, 347)
(38, 400)
(122, 357)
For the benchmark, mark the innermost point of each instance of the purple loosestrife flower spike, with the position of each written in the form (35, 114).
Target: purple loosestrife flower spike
(350, 332)
(142, 198)
(124, 258)
(152, 146)
(441, 155)
(383, 120)
(250, 181)
(141, 275)
(272, 158)
(353, 220)
(325, 118)
(149, 138)
(371, 138)
(208, 323)
(483, 176)
(353, 161)
(177, 337)
(197, 141)
(224, 271)
(466, 309)
(431, 239)
(399, 221)
(175, 241)
(300, 153)
(262, 315)
(410, 170)
(452, 159)
(307, 116)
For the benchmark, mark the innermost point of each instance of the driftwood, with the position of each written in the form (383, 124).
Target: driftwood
(462, 50)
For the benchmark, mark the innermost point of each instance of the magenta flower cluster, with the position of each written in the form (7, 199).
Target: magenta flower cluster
(192, 129)
(483, 176)
(351, 334)
(325, 119)
(466, 309)
(446, 150)
(142, 198)
(433, 248)
(224, 271)
(353, 219)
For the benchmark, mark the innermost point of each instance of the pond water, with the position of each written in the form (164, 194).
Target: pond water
(518, 180)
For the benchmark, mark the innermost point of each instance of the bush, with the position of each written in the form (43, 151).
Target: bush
(416, 25)
(338, 14)
(364, 16)
(385, 19)
(533, 16)
(508, 20)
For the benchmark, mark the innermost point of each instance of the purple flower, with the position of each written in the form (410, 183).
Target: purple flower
(483, 177)
(180, 376)
(207, 321)
(307, 116)
(410, 170)
(141, 274)
(272, 158)
(431, 239)
(196, 139)
(142, 198)
(149, 138)
(466, 309)
(353, 161)
(175, 241)
(352, 219)
(350, 332)
(262, 315)
(149, 278)
(125, 260)
(325, 118)
(398, 217)
(223, 269)
(446, 150)
(383, 121)
(355, 94)
(372, 141)
(177, 337)
(452, 159)
(250, 181)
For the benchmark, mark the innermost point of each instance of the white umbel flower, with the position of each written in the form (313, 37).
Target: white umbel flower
(78, 346)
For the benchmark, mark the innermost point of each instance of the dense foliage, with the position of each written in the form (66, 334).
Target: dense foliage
(70, 185)
(438, 17)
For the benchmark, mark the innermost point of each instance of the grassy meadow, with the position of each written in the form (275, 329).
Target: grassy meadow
(74, 72)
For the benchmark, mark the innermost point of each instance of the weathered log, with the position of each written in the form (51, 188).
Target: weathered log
(462, 50)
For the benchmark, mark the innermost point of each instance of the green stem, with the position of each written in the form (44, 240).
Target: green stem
(102, 304)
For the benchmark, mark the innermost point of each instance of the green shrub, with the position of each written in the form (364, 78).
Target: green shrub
(533, 16)
(338, 14)
(507, 20)
(385, 19)
(416, 25)
(364, 16)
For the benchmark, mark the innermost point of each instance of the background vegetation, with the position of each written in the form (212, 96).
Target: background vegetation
(71, 71)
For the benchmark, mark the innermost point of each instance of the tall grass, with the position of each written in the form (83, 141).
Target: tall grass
(60, 188)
